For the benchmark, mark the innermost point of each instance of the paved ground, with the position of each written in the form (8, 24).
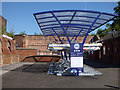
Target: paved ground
(34, 76)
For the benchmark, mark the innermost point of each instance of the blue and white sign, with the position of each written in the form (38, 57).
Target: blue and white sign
(76, 50)
(76, 57)
(76, 46)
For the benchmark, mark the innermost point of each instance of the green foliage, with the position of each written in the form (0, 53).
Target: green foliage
(3, 30)
(41, 34)
(117, 9)
(22, 33)
(11, 34)
(116, 27)
(100, 33)
(105, 32)
(116, 24)
(107, 25)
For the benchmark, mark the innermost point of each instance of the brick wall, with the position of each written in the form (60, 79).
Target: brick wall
(19, 40)
(25, 53)
(40, 42)
(9, 53)
(37, 45)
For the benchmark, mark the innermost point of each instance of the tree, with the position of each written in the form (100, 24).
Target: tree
(100, 33)
(107, 29)
(116, 24)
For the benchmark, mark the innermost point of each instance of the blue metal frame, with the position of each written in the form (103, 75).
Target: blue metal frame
(60, 35)
(78, 28)
(69, 20)
(72, 38)
(62, 27)
(68, 25)
(71, 16)
(73, 11)
(78, 34)
(38, 22)
(54, 37)
(57, 35)
(103, 23)
(76, 25)
(90, 28)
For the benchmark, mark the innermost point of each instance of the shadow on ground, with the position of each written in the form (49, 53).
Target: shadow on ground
(115, 87)
(99, 64)
(34, 75)
(42, 67)
(33, 68)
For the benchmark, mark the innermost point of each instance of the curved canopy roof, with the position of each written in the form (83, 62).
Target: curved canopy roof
(71, 22)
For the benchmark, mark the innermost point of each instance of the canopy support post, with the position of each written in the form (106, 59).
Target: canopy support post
(78, 34)
(57, 35)
(71, 20)
(72, 38)
(91, 27)
(54, 37)
(61, 27)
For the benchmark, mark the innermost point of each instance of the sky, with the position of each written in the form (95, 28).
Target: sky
(19, 15)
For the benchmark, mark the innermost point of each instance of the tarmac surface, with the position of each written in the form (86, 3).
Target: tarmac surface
(33, 75)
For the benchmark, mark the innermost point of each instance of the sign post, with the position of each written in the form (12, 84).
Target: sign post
(77, 58)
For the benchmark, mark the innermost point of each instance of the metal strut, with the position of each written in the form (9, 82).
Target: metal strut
(62, 27)
(78, 34)
(54, 37)
(57, 35)
(91, 27)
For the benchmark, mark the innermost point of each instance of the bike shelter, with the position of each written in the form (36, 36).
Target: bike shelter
(70, 23)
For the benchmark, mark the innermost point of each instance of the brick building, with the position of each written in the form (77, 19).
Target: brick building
(8, 53)
(3, 22)
(110, 51)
